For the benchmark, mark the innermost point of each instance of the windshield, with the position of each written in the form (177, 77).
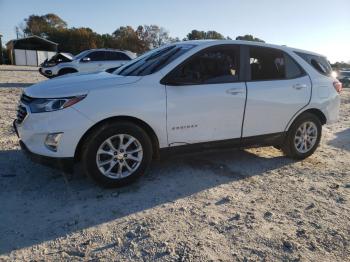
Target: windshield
(81, 55)
(154, 60)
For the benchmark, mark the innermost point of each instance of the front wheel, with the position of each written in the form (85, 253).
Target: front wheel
(303, 137)
(117, 154)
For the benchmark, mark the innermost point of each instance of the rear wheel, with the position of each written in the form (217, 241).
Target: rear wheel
(303, 136)
(117, 154)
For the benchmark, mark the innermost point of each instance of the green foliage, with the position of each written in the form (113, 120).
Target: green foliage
(154, 36)
(75, 40)
(249, 38)
(42, 25)
(341, 66)
(198, 35)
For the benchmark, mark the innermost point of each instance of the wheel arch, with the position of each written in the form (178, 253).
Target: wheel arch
(317, 112)
(146, 127)
(71, 69)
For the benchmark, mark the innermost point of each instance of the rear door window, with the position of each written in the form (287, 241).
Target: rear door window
(320, 63)
(116, 56)
(272, 64)
(293, 70)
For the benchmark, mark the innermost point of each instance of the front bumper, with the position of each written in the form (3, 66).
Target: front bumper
(46, 72)
(65, 164)
(35, 127)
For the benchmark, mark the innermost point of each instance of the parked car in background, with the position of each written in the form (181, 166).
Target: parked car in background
(92, 60)
(193, 94)
(344, 78)
(57, 58)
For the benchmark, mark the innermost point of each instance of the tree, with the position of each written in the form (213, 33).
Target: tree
(154, 36)
(54, 21)
(75, 40)
(197, 35)
(340, 65)
(126, 37)
(249, 38)
(214, 35)
(42, 25)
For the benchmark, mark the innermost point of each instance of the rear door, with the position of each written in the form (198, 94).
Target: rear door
(206, 97)
(277, 89)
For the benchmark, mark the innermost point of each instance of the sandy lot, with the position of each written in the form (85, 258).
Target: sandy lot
(234, 205)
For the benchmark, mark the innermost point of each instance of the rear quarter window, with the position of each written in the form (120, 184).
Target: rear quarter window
(320, 63)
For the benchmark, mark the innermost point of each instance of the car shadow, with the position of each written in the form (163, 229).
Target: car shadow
(12, 85)
(342, 140)
(40, 204)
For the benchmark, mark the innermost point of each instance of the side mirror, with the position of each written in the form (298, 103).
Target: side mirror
(85, 59)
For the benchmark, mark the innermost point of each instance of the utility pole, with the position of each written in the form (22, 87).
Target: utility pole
(1, 60)
(17, 31)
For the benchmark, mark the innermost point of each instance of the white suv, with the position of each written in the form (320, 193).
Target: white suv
(92, 60)
(199, 93)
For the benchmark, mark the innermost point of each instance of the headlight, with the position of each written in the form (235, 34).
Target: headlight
(40, 105)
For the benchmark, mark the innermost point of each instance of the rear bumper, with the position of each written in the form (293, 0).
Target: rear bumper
(65, 164)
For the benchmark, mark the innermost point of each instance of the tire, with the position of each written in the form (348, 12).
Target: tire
(299, 145)
(65, 71)
(97, 150)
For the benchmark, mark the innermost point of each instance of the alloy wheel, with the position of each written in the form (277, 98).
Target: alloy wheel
(305, 137)
(119, 156)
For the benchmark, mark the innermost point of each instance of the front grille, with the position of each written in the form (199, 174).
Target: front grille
(21, 113)
(21, 110)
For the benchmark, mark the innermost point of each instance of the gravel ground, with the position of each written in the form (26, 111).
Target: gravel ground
(233, 205)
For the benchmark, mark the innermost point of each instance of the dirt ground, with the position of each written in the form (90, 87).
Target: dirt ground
(233, 205)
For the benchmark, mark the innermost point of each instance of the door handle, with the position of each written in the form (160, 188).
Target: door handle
(234, 91)
(299, 86)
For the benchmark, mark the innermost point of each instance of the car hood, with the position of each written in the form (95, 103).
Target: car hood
(77, 84)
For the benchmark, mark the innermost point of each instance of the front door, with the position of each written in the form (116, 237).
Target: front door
(95, 62)
(205, 97)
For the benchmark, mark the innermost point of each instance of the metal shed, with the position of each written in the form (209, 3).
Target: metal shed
(30, 51)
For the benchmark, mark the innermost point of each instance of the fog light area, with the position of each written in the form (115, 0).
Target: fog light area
(52, 140)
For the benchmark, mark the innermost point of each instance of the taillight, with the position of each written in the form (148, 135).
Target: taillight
(338, 86)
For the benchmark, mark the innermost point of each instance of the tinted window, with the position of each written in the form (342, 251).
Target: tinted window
(81, 54)
(97, 56)
(212, 66)
(320, 63)
(154, 60)
(116, 56)
(293, 70)
(272, 64)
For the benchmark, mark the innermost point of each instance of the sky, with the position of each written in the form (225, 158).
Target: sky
(321, 26)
